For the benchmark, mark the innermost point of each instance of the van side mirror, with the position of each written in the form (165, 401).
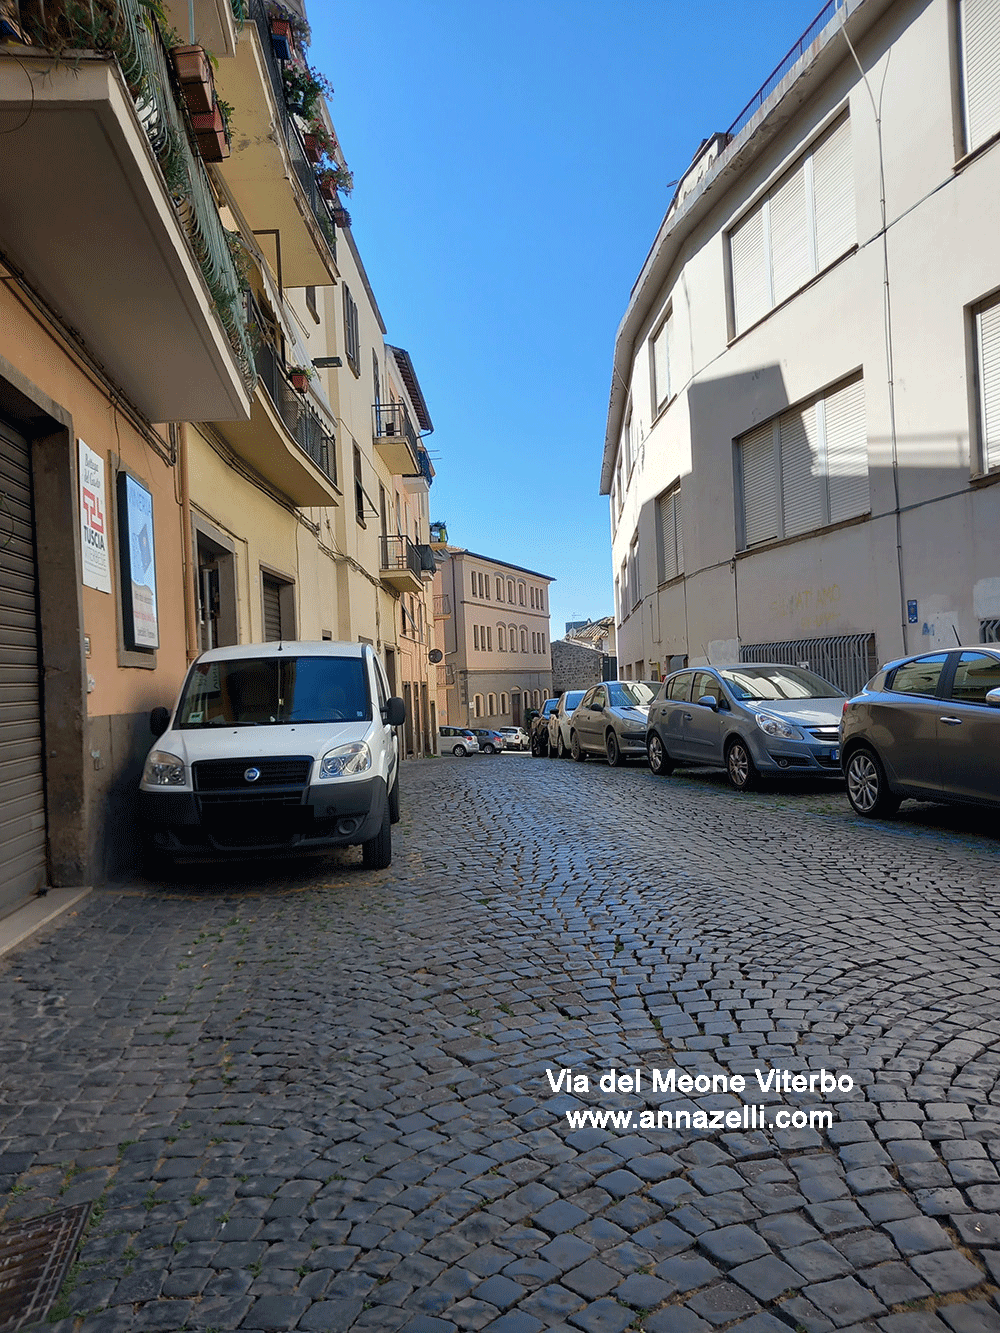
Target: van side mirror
(159, 720)
(394, 712)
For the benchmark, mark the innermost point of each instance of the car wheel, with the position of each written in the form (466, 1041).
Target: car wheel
(376, 853)
(867, 788)
(560, 747)
(575, 748)
(740, 766)
(459, 751)
(614, 751)
(539, 748)
(489, 749)
(394, 800)
(660, 762)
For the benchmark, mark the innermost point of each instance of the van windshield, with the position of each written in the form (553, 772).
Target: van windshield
(267, 691)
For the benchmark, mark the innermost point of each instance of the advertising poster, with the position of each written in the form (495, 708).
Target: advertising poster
(138, 556)
(94, 534)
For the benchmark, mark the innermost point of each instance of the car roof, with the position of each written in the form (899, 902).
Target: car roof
(283, 647)
(993, 649)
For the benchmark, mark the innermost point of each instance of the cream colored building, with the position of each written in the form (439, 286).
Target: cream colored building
(803, 441)
(493, 627)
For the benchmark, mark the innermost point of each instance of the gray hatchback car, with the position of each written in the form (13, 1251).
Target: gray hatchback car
(749, 719)
(926, 727)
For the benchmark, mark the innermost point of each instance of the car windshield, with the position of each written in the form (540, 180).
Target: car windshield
(572, 698)
(631, 693)
(265, 691)
(755, 684)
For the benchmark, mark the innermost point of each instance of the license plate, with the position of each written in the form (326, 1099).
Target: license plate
(834, 754)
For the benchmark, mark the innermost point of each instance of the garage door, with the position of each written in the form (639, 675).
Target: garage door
(22, 805)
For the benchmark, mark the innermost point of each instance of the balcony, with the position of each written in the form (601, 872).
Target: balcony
(399, 564)
(271, 179)
(286, 439)
(142, 271)
(442, 607)
(394, 438)
(215, 26)
(423, 478)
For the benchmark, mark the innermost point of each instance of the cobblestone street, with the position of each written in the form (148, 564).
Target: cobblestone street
(317, 1098)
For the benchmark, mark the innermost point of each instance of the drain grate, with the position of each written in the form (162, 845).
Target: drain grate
(34, 1257)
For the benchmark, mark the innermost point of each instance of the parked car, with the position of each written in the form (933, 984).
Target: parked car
(749, 719)
(459, 740)
(538, 736)
(559, 723)
(490, 742)
(926, 727)
(514, 738)
(274, 749)
(611, 720)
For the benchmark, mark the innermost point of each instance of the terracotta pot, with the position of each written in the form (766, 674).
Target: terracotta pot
(327, 189)
(281, 38)
(300, 381)
(194, 73)
(311, 145)
(210, 131)
(341, 217)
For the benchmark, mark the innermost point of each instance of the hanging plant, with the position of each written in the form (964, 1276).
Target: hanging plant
(341, 216)
(334, 179)
(293, 24)
(300, 377)
(303, 87)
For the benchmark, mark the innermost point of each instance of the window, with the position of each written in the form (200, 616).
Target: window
(669, 544)
(491, 705)
(975, 675)
(520, 594)
(501, 639)
(531, 597)
(628, 443)
(630, 581)
(979, 23)
(472, 581)
(311, 303)
(489, 639)
(278, 607)
(499, 590)
(352, 339)
(477, 705)
(504, 705)
(659, 364)
(680, 687)
(524, 640)
(806, 468)
(510, 591)
(919, 677)
(512, 631)
(359, 490)
(804, 223)
(475, 636)
(987, 352)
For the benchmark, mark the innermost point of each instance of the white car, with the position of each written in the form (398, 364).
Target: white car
(559, 723)
(515, 738)
(459, 741)
(275, 749)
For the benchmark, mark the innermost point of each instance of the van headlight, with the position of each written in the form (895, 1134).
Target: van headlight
(345, 760)
(776, 726)
(164, 770)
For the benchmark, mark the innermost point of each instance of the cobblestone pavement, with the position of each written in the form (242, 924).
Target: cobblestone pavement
(317, 1098)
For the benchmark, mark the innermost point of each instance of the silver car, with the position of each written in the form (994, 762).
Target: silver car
(559, 723)
(748, 719)
(926, 727)
(611, 720)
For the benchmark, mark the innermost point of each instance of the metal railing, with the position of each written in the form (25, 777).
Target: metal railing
(424, 464)
(400, 553)
(989, 631)
(784, 65)
(390, 421)
(847, 660)
(300, 418)
(442, 606)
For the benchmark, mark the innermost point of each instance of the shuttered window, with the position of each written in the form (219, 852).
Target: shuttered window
(979, 23)
(800, 226)
(660, 364)
(277, 599)
(352, 336)
(670, 546)
(988, 374)
(806, 468)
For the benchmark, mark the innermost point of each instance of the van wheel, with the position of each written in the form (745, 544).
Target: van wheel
(394, 800)
(376, 853)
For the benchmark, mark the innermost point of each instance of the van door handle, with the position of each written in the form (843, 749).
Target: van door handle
(951, 721)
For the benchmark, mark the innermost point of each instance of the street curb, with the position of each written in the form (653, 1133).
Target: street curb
(23, 923)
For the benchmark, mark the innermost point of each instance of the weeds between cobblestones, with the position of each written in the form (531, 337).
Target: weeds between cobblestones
(319, 1101)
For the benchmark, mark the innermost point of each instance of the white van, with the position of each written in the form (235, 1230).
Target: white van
(275, 749)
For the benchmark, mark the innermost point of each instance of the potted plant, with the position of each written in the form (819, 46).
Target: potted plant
(303, 87)
(194, 74)
(211, 130)
(341, 216)
(333, 179)
(300, 377)
(285, 24)
(318, 141)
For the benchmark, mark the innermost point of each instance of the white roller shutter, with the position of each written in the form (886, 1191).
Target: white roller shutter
(847, 452)
(760, 485)
(751, 280)
(802, 486)
(661, 366)
(988, 340)
(670, 547)
(980, 25)
(833, 192)
(22, 792)
(791, 252)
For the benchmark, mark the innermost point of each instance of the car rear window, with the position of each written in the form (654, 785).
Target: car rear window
(919, 677)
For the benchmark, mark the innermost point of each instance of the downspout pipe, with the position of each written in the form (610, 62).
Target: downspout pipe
(190, 602)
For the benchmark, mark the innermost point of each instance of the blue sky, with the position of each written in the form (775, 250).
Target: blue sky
(512, 164)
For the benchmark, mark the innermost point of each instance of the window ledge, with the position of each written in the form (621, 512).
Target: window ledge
(792, 296)
(978, 151)
(672, 583)
(803, 536)
(980, 479)
(662, 411)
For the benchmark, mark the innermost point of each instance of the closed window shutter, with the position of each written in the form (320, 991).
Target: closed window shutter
(751, 283)
(791, 256)
(980, 24)
(661, 366)
(847, 452)
(272, 610)
(760, 485)
(669, 564)
(802, 489)
(833, 191)
(988, 330)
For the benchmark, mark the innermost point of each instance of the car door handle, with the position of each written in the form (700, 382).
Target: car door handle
(687, 717)
(951, 721)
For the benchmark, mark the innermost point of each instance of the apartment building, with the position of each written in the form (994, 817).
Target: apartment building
(803, 439)
(493, 627)
(193, 380)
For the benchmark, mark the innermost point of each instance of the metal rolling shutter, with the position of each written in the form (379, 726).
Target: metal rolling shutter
(760, 485)
(22, 792)
(272, 609)
(988, 339)
(833, 191)
(980, 23)
(791, 257)
(802, 487)
(847, 452)
(751, 282)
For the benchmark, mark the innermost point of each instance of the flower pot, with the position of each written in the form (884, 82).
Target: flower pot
(299, 380)
(341, 217)
(311, 144)
(327, 189)
(281, 38)
(194, 73)
(211, 134)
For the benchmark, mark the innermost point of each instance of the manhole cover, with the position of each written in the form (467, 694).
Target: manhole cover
(34, 1257)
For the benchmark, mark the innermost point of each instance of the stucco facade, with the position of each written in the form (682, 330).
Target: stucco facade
(804, 462)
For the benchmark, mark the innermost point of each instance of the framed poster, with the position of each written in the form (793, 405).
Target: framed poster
(94, 535)
(138, 561)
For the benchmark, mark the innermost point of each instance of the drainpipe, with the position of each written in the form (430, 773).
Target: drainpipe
(190, 611)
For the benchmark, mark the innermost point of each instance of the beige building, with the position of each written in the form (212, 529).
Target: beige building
(803, 442)
(493, 627)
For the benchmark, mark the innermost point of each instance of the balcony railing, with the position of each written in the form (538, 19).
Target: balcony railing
(442, 606)
(301, 420)
(400, 553)
(392, 421)
(424, 464)
(784, 65)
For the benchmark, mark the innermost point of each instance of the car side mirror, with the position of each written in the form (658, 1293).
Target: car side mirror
(993, 698)
(394, 712)
(159, 720)
(707, 701)
(597, 708)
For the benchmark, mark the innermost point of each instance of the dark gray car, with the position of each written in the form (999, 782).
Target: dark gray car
(926, 727)
(749, 719)
(611, 719)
